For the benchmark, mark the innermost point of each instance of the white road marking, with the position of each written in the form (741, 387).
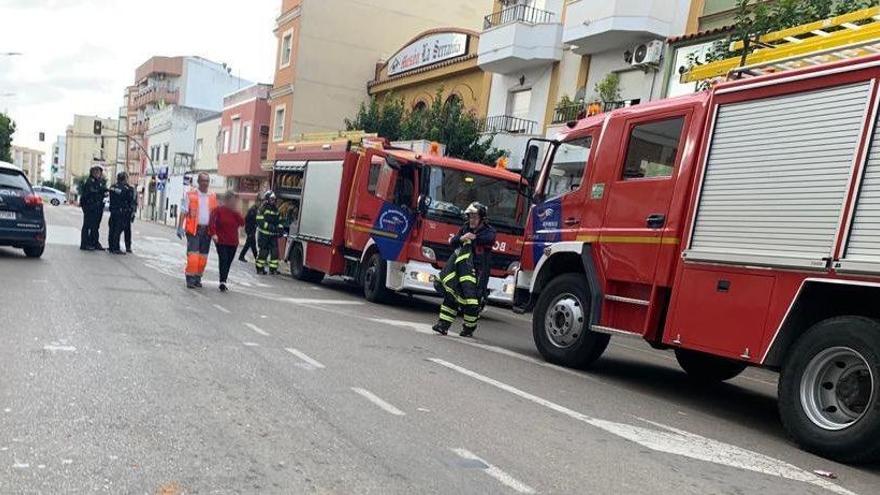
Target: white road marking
(21, 465)
(318, 302)
(245, 284)
(496, 472)
(250, 344)
(156, 239)
(66, 461)
(370, 396)
(61, 348)
(305, 358)
(257, 329)
(222, 309)
(671, 440)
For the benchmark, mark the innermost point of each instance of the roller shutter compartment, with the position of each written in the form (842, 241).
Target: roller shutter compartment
(863, 243)
(776, 178)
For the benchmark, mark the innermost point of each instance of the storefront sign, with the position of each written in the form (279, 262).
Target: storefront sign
(428, 50)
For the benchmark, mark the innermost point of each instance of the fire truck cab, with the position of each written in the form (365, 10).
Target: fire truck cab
(739, 227)
(384, 217)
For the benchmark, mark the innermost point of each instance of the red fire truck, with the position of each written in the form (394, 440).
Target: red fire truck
(738, 227)
(383, 217)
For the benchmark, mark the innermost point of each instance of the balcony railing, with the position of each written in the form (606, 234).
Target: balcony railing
(575, 111)
(154, 95)
(509, 124)
(517, 13)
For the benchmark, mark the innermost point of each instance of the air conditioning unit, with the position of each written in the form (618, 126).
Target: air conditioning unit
(647, 54)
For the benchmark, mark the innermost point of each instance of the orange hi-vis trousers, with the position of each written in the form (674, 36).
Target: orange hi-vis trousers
(197, 248)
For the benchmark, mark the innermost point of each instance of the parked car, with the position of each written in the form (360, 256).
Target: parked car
(51, 195)
(22, 222)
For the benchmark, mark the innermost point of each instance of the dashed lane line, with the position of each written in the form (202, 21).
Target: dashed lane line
(381, 404)
(495, 472)
(221, 309)
(663, 438)
(258, 330)
(313, 363)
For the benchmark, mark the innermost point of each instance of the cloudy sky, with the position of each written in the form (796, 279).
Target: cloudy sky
(79, 55)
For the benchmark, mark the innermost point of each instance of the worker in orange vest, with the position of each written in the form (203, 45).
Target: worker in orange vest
(194, 222)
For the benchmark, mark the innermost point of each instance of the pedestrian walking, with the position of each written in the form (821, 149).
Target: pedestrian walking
(268, 230)
(250, 230)
(464, 279)
(91, 201)
(122, 206)
(194, 222)
(224, 225)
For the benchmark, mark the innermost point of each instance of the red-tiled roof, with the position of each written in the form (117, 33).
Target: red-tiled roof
(700, 34)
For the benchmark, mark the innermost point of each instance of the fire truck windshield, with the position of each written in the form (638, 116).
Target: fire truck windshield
(451, 191)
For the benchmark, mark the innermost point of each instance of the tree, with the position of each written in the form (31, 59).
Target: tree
(445, 121)
(608, 89)
(7, 129)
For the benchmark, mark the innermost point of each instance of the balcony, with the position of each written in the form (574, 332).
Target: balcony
(593, 27)
(567, 112)
(511, 134)
(509, 125)
(154, 95)
(519, 37)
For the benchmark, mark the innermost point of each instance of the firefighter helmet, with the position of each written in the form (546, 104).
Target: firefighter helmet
(268, 195)
(478, 208)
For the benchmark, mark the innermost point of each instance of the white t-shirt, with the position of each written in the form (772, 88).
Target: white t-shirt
(204, 208)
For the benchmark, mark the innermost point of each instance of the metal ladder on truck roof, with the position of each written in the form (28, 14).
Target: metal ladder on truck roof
(837, 38)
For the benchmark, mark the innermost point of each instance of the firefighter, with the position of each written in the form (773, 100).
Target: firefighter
(461, 282)
(121, 213)
(268, 230)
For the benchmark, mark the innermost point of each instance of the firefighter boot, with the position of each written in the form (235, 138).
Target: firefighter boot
(467, 331)
(441, 327)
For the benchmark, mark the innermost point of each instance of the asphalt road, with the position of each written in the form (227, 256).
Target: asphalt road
(117, 379)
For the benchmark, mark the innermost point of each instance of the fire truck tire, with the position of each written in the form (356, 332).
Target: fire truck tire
(373, 280)
(560, 324)
(829, 389)
(705, 368)
(298, 269)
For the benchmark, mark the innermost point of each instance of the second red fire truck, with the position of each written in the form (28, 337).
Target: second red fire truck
(739, 227)
(383, 217)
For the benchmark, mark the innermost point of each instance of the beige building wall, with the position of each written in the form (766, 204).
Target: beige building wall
(84, 147)
(327, 91)
(30, 161)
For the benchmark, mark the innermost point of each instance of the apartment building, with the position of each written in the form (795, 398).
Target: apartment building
(85, 148)
(244, 141)
(186, 81)
(548, 57)
(59, 149)
(30, 161)
(326, 51)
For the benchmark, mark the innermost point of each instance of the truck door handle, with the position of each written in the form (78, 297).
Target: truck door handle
(572, 221)
(656, 221)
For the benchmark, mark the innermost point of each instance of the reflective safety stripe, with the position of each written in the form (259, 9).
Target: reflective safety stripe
(468, 278)
(449, 277)
(471, 319)
(462, 257)
(446, 317)
(472, 302)
(469, 325)
(447, 309)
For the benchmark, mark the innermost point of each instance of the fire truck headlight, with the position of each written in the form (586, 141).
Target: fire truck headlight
(508, 288)
(421, 277)
(429, 253)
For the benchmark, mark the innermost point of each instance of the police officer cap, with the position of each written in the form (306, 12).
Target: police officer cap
(478, 208)
(121, 176)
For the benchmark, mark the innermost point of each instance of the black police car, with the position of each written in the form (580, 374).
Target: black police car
(22, 223)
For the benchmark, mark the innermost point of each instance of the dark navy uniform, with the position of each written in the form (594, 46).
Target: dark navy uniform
(92, 203)
(269, 229)
(122, 208)
(482, 251)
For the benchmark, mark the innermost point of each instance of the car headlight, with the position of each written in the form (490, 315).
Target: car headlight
(513, 268)
(429, 253)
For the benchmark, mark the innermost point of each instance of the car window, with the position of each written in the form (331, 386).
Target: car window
(13, 179)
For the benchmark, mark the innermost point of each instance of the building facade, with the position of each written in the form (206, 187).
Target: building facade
(440, 60)
(191, 82)
(551, 59)
(59, 149)
(243, 144)
(30, 161)
(325, 53)
(84, 148)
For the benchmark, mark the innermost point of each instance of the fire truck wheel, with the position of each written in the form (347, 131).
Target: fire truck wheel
(298, 269)
(560, 323)
(829, 389)
(705, 368)
(373, 280)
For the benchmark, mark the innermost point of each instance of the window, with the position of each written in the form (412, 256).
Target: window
(286, 48)
(236, 134)
(653, 149)
(165, 153)
(373, 178)
(198, 153)
(451, 191)
(518, 103)
(278, 132)
(420, 106)
(381, 181)
(567, 169)
(246, 138)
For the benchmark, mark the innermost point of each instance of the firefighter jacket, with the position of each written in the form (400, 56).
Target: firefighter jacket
(269, 221)
(482, 251)
(458, 279)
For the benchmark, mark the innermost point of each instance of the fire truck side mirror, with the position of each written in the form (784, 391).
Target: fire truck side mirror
(530, 162)
(424, 203)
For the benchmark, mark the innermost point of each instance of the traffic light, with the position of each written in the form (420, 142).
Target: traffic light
(97, 129)
(42, 137)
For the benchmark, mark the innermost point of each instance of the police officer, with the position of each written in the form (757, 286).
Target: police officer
(92, 203)
(268, 231)
(122, 208)
(465, 277)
